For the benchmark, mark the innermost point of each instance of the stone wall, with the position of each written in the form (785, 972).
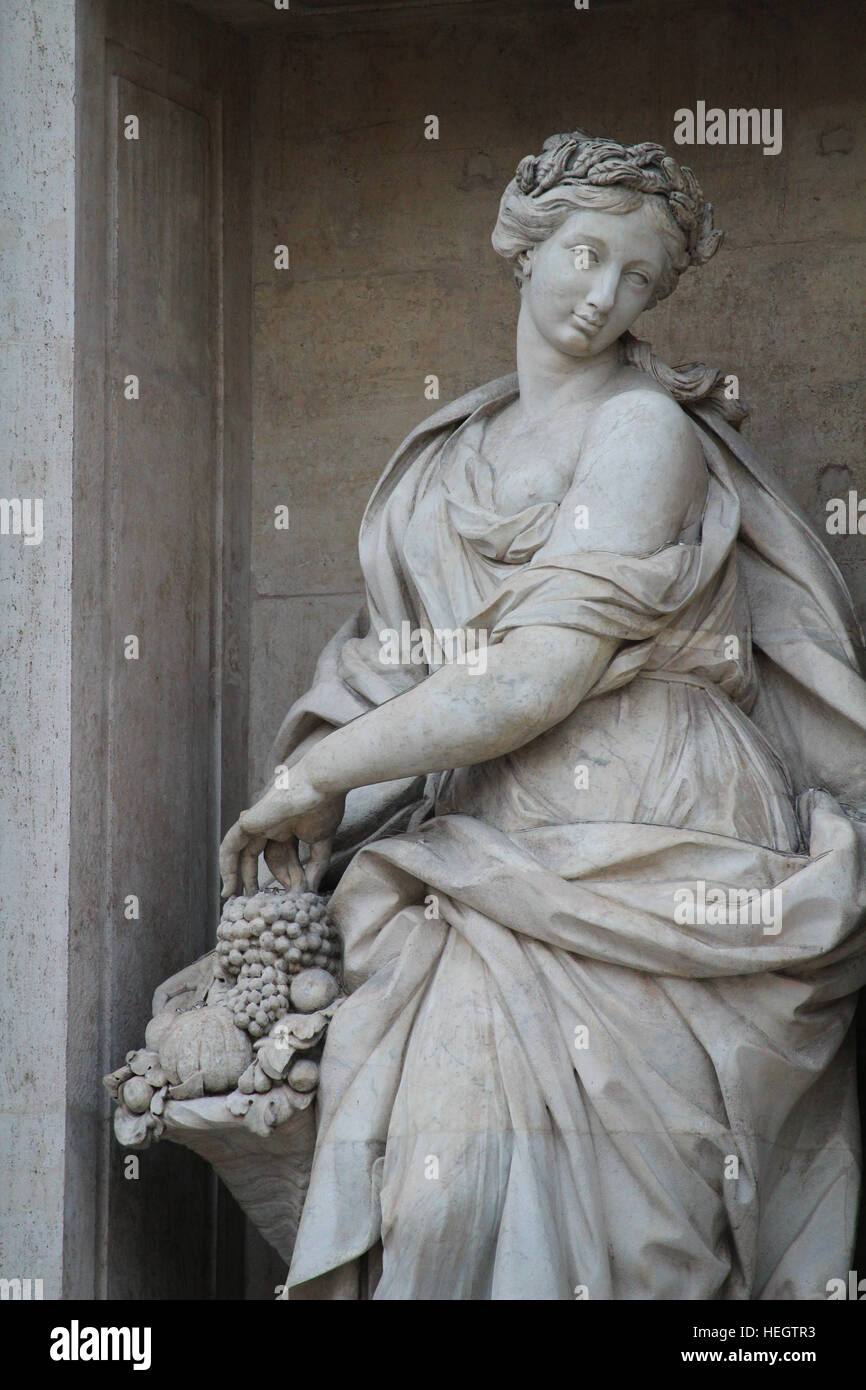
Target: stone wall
(37, 219)
(160, 526)
(80, 295)
(392, 276)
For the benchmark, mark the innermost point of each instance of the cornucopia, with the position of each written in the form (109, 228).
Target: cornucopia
(230, 1063)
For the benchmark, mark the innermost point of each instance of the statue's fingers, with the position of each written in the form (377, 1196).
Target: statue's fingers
(317, 864)
(230, 851)
(249, 865)
(281, 857)
(265, 816)
(283, 832)
(229, 877)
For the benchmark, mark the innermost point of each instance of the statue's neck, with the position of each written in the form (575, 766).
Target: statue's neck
(549, 378)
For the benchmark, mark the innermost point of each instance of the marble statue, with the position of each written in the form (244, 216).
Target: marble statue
(596, 832)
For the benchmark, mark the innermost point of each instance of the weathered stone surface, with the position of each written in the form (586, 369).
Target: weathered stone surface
(37, 220)
(392, 277)
(286, 638)
(480, 528)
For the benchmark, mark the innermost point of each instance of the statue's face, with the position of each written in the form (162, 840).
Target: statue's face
(592, 278)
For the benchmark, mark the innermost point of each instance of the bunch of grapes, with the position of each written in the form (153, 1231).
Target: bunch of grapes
(264, 941)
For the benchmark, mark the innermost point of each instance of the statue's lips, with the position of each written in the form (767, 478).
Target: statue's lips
(587, 325)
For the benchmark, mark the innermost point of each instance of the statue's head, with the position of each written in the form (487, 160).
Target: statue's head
(597, 232)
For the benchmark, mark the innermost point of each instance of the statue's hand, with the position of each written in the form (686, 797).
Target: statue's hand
(281, 818)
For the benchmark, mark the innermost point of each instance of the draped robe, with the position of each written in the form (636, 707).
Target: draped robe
(548, 1080)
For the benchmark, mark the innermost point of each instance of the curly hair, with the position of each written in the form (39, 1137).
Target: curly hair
(581, 170)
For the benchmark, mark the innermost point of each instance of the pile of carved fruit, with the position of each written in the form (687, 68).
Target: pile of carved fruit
(245, 1023)
(279, 949)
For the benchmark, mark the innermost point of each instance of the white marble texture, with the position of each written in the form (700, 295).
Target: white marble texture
(559, 1073)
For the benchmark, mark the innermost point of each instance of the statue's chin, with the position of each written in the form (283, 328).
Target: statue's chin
(582, 350)
(579, 341)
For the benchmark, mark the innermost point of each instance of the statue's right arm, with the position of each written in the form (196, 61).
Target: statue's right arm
(647, 472)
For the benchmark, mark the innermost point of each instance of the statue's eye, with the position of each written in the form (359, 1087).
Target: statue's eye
(638, 277)
(583, 257)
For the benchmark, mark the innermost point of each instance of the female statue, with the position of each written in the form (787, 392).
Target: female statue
(601, 900)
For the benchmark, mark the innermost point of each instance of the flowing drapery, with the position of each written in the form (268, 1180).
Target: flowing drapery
(545, 1083)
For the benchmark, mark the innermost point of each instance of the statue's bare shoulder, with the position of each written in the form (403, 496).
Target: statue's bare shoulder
(640, 472)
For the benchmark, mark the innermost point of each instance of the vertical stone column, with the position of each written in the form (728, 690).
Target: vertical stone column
(37, 209)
